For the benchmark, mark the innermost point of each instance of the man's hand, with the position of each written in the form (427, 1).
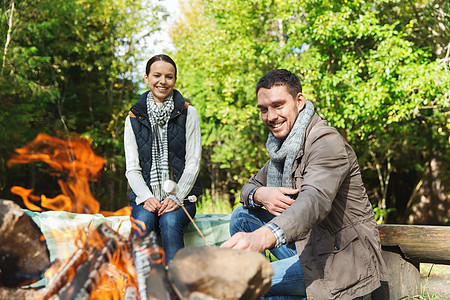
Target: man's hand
(275, 199)
(258, 240)
(152, 204)
(167, 205)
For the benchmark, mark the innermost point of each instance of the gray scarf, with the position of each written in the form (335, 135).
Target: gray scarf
(159, 171)
(283, 152)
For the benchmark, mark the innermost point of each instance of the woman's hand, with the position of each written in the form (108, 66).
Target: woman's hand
(167, 205)
(152, 205)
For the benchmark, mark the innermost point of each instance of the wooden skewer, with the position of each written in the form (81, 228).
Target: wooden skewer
(195, 225)
(171, 188)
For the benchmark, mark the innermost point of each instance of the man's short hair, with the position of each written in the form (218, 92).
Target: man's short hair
(280, 77)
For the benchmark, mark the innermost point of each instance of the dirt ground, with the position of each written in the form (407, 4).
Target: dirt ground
(437, 283)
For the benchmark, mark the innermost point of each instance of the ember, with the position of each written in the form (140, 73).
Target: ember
(99, 268)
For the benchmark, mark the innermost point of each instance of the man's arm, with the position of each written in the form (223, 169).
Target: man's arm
(258, 240)
(256, 181)
(326, 167)
(274, 199)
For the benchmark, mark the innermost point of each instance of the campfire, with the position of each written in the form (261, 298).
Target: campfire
(104, 264)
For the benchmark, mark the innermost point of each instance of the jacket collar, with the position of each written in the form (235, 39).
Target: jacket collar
(313, 122)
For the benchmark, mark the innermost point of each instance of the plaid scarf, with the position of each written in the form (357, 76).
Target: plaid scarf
(283, 152)
(159, 172)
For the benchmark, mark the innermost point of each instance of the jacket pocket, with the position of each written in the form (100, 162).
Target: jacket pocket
(343, 260)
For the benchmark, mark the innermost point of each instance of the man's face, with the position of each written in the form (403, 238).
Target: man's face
(279, 109)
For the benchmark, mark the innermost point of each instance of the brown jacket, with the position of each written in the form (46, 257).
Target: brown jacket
(331, 221)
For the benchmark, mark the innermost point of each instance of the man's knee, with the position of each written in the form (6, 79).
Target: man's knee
(239, 211)
(236, 219)
(246, 220)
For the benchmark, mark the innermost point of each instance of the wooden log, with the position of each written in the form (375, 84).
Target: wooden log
(18, 293)
(404, 276)
(77, 278)
(23, 252)
(418, 243)
(405, 247)
(149, 263)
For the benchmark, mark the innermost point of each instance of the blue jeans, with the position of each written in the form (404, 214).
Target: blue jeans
(287, 280)
(170, 225)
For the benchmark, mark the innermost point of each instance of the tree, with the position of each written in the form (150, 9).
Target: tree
(383, 89)
(222, 49)
(68, 69)
(370, 73)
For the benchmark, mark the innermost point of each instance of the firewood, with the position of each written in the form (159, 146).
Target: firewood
(79, 276)
(23, 252)
(150, 268)
(17, 293)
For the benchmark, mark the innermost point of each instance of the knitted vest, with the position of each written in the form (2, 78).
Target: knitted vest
(176, 136)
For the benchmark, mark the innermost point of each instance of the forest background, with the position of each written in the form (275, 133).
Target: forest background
(379, 71)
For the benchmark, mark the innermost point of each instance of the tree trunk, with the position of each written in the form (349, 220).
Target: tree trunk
(432, 205)
(8, 35)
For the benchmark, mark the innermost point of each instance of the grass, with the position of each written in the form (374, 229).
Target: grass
(428, 270)
(207, 205)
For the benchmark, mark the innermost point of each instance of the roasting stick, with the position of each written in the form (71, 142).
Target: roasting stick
(171, 188)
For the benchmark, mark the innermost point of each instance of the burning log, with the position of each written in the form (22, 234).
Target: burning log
(17, 293)
(151, 274)
(18, 235)
(106, 265)
(138, 269)
(83, 272)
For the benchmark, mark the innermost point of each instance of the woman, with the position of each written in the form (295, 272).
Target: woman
(162, 142)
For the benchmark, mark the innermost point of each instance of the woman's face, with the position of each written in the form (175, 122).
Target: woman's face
(161, 80)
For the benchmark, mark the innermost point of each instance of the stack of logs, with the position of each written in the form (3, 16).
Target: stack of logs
(106, 265)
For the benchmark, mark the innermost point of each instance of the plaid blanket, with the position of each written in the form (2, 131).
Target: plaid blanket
(61, 228)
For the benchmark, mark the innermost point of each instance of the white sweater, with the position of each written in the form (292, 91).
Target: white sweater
(192, 166)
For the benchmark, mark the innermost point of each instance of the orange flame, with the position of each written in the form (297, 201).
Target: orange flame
(138, 225)
(111, 277)
(80, 165)
(73, 156)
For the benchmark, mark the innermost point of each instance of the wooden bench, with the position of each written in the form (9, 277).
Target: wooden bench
(405, 247)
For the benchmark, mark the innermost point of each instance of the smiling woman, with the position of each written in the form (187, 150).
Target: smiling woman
(161, 77)
(162, 142)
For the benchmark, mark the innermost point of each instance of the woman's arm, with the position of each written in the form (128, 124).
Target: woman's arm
(133, 168)
(193, 153)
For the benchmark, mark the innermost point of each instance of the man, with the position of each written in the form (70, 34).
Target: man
(308, 204)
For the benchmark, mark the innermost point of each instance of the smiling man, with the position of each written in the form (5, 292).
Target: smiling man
(308, 204)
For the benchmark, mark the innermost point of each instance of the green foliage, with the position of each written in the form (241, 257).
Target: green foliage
(380, 213)
(68, 69)
(370, 72)
(208, 205)
(221, 51)
(376, 70)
